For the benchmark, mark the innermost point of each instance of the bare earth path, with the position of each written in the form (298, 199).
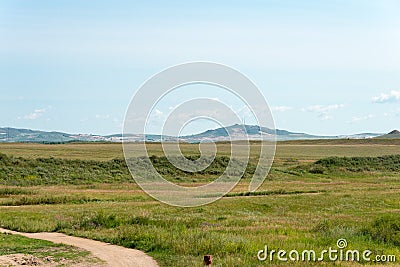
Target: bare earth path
(113, 255)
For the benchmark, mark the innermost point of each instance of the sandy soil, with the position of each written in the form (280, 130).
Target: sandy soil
(26, 260)
(112, 255)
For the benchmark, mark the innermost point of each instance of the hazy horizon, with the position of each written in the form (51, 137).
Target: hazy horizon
(199, 131)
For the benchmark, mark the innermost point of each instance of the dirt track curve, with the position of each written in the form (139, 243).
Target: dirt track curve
(113, 255)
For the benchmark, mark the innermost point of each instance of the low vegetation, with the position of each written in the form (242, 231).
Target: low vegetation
(42, 251)
(389, 163)
(314, 195)
(51, 171)
(384, 229)
(19, 171)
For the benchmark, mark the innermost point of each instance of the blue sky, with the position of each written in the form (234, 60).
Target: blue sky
(325, 67)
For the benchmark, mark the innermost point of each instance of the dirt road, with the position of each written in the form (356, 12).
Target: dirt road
(113, 255)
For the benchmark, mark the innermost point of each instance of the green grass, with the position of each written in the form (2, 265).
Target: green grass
(51, 171)
(275, 192)
(230, 229)
(18, 171)
(389, 163)
(384, 229)
(47, 200)
(12, 191)
(309, 200)
(59, 253)
(295, 150)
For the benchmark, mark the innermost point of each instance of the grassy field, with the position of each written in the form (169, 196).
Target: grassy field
(42, 251)
(317, 192)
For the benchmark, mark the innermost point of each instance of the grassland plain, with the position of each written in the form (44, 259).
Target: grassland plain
(312, 197)
(42, 252)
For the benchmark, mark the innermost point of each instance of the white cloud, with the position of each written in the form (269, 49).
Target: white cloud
(391, 113)
(324, 116)
(158, 112)
(393, 96)
(157, 117)
(323, 111)
(37, 113)
(321, 108)
(102, 117)
(281, 108)
(362, 118)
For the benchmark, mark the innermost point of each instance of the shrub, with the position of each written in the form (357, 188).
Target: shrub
(317, 169)
(385, 229)
(98, 220)
(390, 163)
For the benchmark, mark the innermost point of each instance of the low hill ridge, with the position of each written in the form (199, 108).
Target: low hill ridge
(395, 134)
(236, 132)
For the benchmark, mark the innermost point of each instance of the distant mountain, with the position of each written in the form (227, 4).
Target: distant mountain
(254, 132)
(395, 134)
(233, 132)
(26, 135)
(13, 135)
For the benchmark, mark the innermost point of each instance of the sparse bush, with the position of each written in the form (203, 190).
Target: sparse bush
(11, 191)
(140, 220)
(47, 200)
(385, 229)
(390, 163)
(274, 192)
(98, 220)
(317, 170)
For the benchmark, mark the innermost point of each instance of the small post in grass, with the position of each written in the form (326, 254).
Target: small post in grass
(208, 260)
